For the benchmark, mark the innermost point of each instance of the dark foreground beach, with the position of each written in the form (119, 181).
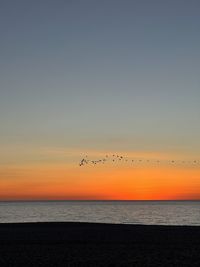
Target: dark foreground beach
(89, 244)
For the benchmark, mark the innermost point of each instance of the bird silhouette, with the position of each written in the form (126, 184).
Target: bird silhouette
(118, 158)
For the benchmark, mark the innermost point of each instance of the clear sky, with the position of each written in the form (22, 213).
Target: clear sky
(95, 77)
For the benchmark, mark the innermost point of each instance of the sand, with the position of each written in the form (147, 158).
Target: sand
(88, 244)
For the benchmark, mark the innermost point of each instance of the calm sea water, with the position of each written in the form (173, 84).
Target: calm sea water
(132, 212)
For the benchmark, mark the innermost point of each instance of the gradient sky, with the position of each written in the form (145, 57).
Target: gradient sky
(95, 77)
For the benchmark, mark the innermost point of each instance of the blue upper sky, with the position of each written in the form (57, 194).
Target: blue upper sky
(114, 74)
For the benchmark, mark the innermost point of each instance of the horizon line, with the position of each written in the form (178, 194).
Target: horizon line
(97, 200)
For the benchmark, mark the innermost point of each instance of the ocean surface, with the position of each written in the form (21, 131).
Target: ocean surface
(123, 212)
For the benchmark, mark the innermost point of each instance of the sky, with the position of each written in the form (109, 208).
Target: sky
(93, 78)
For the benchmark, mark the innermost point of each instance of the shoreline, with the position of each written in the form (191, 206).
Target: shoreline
(98, 244)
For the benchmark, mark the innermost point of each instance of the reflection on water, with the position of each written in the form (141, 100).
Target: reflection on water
(133, 212)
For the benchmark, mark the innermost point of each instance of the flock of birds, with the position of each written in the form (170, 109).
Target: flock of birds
(115, 158)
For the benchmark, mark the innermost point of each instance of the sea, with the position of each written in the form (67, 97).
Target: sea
(118, 212)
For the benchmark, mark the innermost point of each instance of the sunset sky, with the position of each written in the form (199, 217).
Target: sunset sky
(94, 78)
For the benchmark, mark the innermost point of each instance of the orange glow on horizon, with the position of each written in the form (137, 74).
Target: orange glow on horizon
(61, 182)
